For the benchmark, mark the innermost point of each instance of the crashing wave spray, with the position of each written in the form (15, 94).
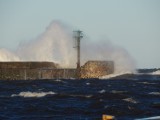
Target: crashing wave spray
(56, 45)
(6, 55)
(105, 50)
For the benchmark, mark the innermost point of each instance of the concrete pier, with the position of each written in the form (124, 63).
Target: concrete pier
(50, 70)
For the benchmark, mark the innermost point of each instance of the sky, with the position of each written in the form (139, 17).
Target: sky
(132, 24)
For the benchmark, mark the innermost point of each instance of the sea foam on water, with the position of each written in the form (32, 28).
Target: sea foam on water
(33, 94)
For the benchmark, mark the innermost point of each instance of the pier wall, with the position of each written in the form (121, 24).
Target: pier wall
(29, 65)
(32, 74)
(50, 70)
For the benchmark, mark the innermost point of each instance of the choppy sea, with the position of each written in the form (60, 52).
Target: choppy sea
(126, 97)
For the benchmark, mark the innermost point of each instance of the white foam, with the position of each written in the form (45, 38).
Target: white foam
(102, 91)
(114, 75)
(118, 92)
(58, 80)
(154, 93)
(87, 83)
(147, 83)
(86, 96)
(33, 94)
(131, 100)
(156, 72)
(150, 118)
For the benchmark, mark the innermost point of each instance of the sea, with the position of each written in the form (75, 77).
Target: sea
(125, 96)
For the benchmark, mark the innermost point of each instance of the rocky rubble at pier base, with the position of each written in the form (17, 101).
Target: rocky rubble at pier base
(96, 69)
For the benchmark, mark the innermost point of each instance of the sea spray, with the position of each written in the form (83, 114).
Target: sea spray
(105, 50)
(156, 72)
(114, 75)
(6, 55)
(55, 44)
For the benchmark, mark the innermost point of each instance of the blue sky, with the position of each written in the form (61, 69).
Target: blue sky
(132, 24)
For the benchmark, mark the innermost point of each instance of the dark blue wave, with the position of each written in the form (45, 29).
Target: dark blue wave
(126, 97)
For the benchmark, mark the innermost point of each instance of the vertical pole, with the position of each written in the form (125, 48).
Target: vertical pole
(78, 37)
(78, 57)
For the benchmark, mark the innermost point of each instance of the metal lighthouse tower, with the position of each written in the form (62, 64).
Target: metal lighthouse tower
(78, 36)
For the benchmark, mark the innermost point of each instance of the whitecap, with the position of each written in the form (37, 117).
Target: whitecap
(33, 94)
(150, 118)
(85, 96)
(147, 83)
(102, 91)
(114, 75)
(87, 83)
(58, 80)
(119, 92)
(156, 72)
(131, 100)
(154, 93)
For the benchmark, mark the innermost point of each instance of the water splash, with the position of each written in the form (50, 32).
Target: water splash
(156, 72)
(55, 44)
(6, 55)
(114, 75)
(105, 50)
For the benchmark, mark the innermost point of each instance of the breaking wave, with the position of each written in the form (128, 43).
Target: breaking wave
(156, 72)
(155, 93)
(57, 99)
(131, 100)
(102, 91)
(33, 94)
(114, 75)
(119, 92)
(55, 44)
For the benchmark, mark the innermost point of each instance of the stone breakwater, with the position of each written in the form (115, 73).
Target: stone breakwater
(96, 69)
(50, 70)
